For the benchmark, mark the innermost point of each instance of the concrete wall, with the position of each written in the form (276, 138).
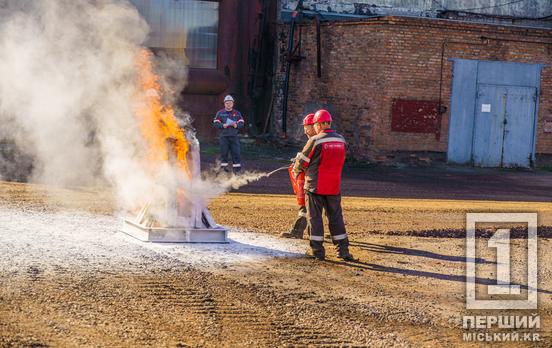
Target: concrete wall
(367, 64)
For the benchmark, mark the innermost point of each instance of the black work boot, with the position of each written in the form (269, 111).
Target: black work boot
(317, 250)
(342, 249)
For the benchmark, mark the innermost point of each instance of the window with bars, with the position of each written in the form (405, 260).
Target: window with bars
(184, 29)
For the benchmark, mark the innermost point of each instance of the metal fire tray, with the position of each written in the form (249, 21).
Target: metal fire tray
(175, 234)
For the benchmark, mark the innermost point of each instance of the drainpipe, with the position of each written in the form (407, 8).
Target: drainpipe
(288, 68)
(318, 48)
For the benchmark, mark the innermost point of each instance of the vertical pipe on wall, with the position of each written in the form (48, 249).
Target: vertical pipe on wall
(318, 48)
(440, 109)
(288, 68)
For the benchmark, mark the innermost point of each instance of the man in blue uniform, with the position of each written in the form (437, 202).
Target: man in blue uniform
(229, 121)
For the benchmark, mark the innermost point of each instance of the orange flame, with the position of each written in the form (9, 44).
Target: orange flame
(165, 139)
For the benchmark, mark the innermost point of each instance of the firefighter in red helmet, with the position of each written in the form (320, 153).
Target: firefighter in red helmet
(297, 183)
(322, 162)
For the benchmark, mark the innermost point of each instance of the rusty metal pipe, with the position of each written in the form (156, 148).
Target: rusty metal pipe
(318, 48)
(288, 68)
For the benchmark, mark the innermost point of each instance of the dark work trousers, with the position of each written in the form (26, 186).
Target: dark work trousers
(230, 145)
(300, 224)
(332, 206)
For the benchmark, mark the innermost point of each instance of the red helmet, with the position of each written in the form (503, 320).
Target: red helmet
(322, 116)
(308, 120)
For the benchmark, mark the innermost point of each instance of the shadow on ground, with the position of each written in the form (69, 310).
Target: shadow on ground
(387, 249)
(516, 232)
(425, 274)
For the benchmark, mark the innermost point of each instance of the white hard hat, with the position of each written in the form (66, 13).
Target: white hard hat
(228, 98)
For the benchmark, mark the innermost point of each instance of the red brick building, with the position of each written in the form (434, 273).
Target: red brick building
(389, 83)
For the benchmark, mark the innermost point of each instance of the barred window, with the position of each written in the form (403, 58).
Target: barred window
(184, 29)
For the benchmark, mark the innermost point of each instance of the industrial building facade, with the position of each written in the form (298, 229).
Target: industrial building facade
(405, 88)
(226, 47)
(406, 81)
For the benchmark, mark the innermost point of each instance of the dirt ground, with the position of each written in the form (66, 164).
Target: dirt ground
(68, 278)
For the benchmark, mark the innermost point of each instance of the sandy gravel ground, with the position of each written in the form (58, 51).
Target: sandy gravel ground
(69, 278)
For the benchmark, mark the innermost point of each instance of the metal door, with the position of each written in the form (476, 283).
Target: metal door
(490, 116)
(504, 126)
(520, 122)
(510, 92)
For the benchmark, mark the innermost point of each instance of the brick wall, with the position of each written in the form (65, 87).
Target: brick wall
(367, 64)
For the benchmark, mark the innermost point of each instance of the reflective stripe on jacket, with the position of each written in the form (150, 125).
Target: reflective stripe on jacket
(228, 117)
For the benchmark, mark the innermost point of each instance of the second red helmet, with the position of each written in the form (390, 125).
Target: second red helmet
(308, 120)
(322, 116)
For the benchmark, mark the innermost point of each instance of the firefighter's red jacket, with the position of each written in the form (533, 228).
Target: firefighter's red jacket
(322, 161)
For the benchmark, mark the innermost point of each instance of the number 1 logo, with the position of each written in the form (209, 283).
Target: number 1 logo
(501, 242)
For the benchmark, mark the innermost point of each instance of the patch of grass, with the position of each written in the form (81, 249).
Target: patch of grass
(354, 163)
(210, 149)
(545, 168)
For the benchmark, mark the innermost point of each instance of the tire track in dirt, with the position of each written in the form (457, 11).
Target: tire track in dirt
(225, 308)
(186, 307)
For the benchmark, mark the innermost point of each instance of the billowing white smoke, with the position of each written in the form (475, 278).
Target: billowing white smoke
(68, 76)
(68, 80)
(235, 182)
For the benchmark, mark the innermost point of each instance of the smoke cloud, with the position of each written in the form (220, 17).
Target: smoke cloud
(69, 77)
(235, 182)
(68, 89)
